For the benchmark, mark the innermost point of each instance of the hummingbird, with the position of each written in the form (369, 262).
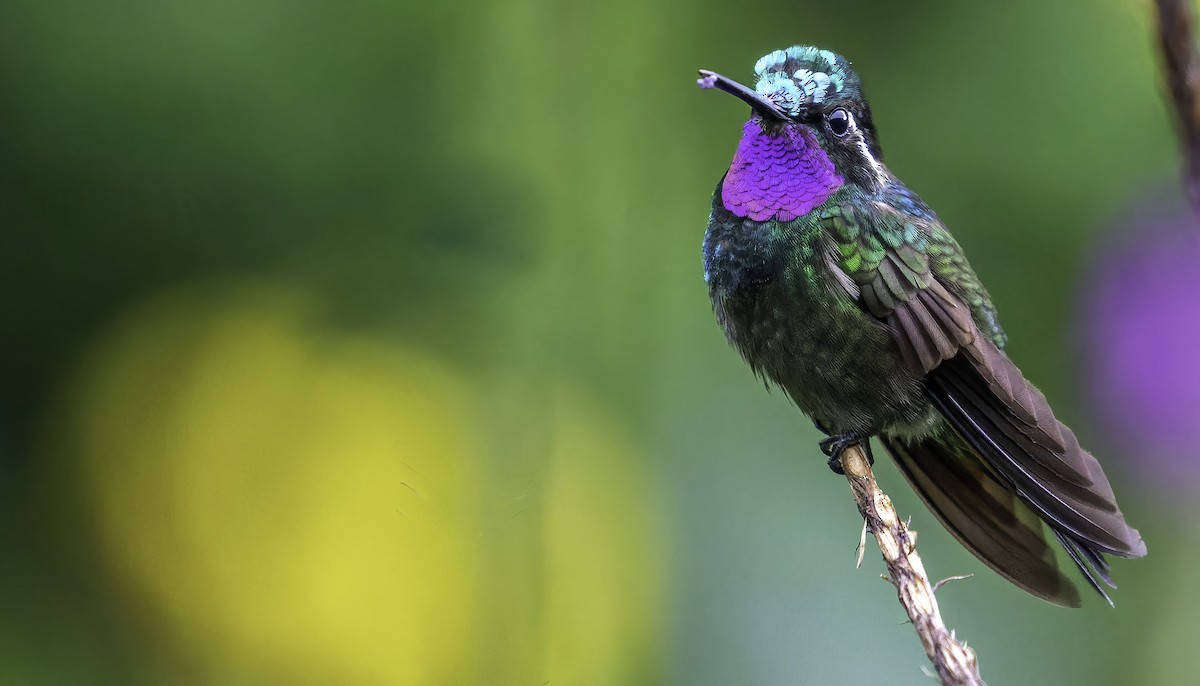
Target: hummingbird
(839, 285)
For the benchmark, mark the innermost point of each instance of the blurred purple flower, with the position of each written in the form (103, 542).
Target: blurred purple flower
(1141, 333)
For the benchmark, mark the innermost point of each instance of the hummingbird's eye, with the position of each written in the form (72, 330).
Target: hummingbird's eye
(839, 122)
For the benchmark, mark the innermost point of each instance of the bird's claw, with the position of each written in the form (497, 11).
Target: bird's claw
(834, 446)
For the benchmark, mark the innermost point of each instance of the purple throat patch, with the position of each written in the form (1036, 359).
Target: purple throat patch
(778, 177)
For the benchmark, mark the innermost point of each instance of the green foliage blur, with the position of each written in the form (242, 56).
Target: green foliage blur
(366, 342)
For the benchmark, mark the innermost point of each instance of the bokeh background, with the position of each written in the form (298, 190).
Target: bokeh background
(366, 342)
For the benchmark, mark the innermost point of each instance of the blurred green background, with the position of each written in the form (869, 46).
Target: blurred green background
(367, 342)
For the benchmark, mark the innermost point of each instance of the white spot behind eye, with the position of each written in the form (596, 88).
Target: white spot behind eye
(876, 167)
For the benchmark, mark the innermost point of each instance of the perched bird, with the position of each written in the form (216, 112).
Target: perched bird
(837, 283)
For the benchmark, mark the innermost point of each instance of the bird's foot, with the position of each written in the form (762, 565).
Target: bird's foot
(835, 446)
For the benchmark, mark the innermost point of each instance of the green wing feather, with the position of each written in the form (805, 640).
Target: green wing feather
(910, 274)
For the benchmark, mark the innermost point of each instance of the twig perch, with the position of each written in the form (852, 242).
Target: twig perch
(1181, 71)
(955, 663)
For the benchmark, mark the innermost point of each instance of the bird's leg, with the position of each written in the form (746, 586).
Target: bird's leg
(834, 446)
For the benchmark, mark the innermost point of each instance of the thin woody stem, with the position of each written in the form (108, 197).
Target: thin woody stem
(955, 663)
(1181, 73)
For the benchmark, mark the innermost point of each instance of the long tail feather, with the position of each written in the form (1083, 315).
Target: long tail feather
(983, 514)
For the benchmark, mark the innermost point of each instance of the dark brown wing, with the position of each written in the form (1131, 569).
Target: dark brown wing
(1009, 424)
(909, 273)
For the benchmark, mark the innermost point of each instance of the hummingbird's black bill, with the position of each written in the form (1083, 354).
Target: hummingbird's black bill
(758, 101)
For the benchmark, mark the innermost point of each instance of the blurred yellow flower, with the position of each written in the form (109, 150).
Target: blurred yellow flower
(312, 507)
(291, 499)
